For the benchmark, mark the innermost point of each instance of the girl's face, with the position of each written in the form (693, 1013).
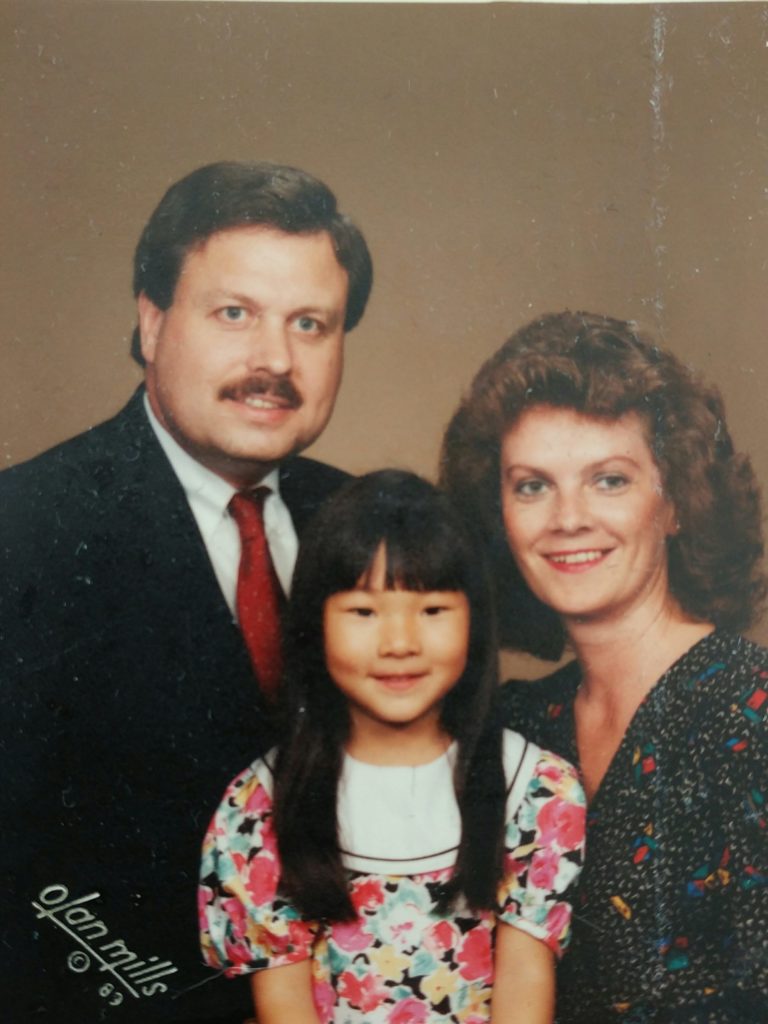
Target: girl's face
(584, 511)
(395, 654)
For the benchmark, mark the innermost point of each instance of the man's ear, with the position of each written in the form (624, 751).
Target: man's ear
(150, 324)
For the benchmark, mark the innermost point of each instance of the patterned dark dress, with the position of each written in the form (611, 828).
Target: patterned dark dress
(671, 911)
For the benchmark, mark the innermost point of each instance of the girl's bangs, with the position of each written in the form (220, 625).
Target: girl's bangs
(420, 556)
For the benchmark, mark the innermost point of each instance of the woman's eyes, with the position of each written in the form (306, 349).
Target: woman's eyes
(611, 481)
(534, 487)
(530, 488)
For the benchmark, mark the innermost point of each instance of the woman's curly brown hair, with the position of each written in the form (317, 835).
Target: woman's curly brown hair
(604, 368)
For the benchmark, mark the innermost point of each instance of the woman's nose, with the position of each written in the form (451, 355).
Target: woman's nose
(571, 511)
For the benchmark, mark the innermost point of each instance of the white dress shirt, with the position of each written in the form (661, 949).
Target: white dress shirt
(209, 496)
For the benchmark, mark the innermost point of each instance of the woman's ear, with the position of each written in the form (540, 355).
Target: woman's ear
(673, 523)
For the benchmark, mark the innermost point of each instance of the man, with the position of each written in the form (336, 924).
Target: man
(128, 697)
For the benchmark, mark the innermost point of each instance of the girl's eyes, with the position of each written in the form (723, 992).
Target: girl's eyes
(367, 612)
(435, 609)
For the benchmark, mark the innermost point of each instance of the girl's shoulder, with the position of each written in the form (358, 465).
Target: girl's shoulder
(251, 792)
(533, 773)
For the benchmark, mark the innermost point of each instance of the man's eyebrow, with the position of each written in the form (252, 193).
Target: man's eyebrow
(222, 294)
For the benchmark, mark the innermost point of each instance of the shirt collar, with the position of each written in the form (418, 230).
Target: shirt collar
(200, 484)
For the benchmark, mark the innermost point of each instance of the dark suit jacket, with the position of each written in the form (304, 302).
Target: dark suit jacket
(127, 702)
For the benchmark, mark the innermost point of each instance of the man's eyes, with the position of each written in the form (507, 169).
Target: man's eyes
(308, 324)
(304, 324)
(232, 314)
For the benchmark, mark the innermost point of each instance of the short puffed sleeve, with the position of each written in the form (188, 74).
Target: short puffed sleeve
(544, 853)
(244, 924)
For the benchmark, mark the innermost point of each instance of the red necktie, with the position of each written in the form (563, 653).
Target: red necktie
(258, 592)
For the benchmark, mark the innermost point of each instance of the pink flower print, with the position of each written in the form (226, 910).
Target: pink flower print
(204, 897)
(562, 823)
(474, 955)
(291, 942)
(548, 769)
(439, 875)
(258, 801)
(269, 839)
(324, 998)
(351, 937)
(408, 1011)
(236, 953)
(403, 933)
(404, 925)
(543, 870)
(261, 880)
(234, 910)
(558, 920)
(367, 894)
(361, 993)
(440, 938)
(513, 866)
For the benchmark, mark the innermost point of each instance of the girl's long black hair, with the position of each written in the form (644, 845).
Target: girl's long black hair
(428, 547)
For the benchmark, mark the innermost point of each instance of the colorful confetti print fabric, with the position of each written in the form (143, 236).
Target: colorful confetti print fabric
(400, 962)
(671, 910)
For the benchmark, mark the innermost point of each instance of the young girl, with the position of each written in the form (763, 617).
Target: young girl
(399, 851)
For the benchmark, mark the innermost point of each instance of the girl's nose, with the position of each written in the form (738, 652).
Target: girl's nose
(399, 636)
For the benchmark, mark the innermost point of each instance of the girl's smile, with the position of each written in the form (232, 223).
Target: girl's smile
(395, 654)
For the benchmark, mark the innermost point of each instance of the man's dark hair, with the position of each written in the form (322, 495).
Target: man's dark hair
(605, 368)
(232, 194)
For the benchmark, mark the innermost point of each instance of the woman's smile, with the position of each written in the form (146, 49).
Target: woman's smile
(575, 561)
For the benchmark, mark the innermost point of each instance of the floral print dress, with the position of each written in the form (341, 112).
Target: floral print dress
(670, 921)
(400, 962)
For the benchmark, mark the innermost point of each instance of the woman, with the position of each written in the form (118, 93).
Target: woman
(601, 475)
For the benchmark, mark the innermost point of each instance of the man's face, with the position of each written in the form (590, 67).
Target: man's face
(243, 368)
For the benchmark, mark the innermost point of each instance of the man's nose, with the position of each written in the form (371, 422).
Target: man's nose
(269, 347)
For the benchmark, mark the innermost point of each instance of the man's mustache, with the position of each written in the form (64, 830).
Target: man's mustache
(266, 385)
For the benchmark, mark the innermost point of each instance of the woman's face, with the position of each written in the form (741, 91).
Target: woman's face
(584, 512)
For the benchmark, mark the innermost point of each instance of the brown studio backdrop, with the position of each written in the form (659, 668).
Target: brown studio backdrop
(503, 160)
